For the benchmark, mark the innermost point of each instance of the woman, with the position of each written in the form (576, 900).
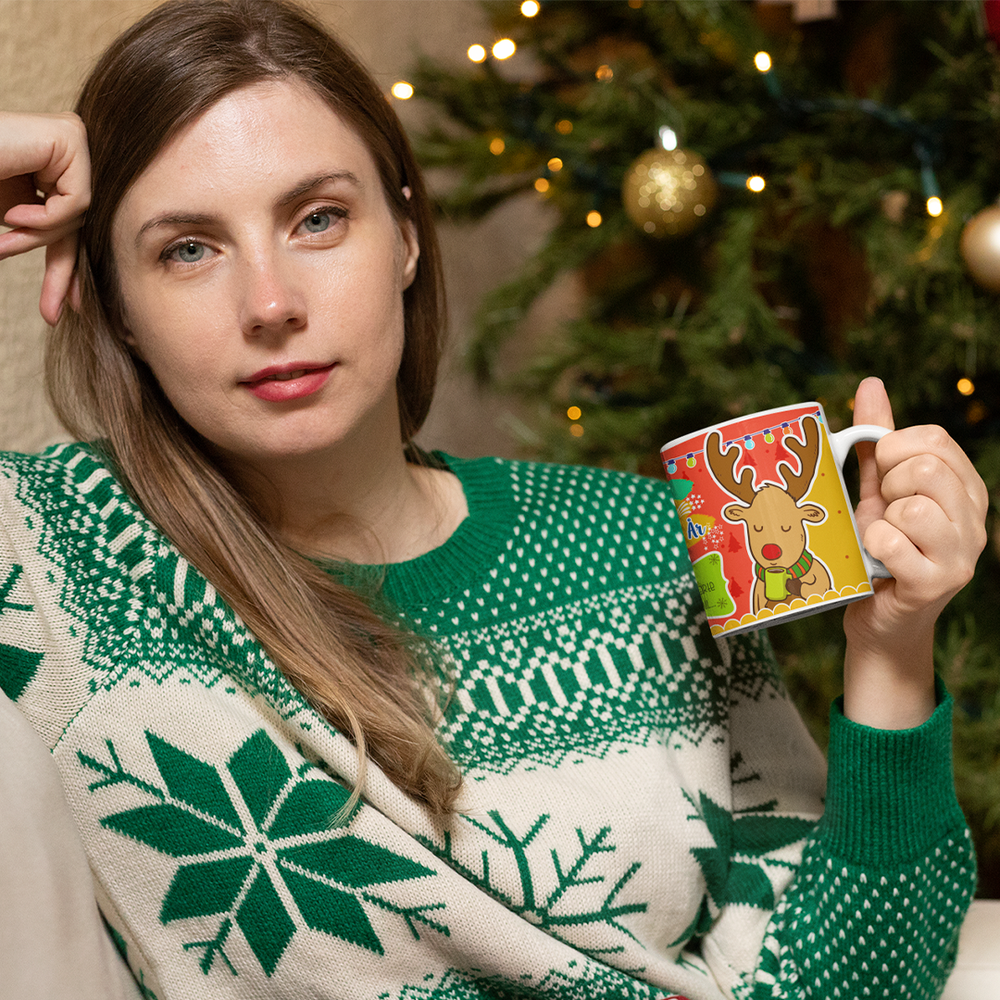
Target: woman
(339, 719)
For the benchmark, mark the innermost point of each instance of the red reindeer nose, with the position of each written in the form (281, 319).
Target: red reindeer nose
(771, 551)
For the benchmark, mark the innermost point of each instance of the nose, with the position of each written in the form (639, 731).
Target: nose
(771, 552)
(272, 297)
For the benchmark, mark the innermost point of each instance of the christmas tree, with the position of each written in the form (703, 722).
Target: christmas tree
(764, 203)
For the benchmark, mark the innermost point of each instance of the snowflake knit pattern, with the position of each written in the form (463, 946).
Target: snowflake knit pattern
(642, 815)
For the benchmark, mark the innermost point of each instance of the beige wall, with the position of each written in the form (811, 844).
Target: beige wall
(46, 48)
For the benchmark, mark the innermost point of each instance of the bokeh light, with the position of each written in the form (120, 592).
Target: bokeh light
(504, 49)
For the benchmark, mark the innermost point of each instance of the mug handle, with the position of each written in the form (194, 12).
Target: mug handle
(840, 444)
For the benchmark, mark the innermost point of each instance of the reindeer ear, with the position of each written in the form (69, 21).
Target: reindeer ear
(812, 513)
(735, 512)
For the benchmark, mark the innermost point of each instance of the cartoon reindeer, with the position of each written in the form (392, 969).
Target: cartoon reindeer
(774, 521)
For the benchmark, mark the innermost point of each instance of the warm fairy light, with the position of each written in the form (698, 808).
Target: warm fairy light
(476, 53)
(497, 146)
(756, 183)
(594, 219)
(604, 73)
(504, 49)
(965, 386)
(763, 62)
(555, 164)
(668, 137)
(530, 8)
(934, 206)
(541, 185)
(564, 126)
(576, 430)
(574, 413)
(402, 90)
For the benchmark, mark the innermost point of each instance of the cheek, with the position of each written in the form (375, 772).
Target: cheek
(169, 349)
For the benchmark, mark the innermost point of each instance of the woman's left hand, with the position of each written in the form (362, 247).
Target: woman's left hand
(922, 513)
(44, 192)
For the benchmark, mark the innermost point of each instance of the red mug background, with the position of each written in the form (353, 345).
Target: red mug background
(766, 516)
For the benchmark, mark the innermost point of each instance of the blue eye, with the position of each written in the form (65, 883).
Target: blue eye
(318, 222)
(188, 253)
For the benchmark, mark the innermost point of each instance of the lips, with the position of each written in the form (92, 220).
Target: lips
(279, 383)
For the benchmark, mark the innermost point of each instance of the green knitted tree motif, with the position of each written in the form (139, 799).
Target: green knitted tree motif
(548, 910)
(734, 866)
(17, 665)
(580, 980)
(122, 945)
(230, 864)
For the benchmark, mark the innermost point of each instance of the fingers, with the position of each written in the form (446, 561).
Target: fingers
(19, 241)
(44, 191)
(44, 154)
(871, 404)
(921, 459)
(932, 529)
(60, 264)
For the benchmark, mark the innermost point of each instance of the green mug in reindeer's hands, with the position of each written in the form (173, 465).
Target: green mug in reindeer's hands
(775, 584)
(766, 516)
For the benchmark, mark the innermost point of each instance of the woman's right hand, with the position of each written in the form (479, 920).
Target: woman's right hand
(47, 154)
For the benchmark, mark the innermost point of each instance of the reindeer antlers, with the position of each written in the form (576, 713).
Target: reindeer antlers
(722, 463)
(796, 486)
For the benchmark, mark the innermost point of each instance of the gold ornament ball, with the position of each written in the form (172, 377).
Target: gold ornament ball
(980, 247)
(668, 192)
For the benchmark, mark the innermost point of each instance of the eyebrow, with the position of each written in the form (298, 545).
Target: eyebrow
(200, 219)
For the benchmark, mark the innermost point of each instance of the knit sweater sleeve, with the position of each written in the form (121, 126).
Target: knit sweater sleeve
(874, 893)
(851, 887)
(886, 878)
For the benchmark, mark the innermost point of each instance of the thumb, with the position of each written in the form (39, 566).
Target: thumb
(871, 406)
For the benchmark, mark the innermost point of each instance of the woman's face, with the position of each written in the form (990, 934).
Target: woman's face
(262, 277)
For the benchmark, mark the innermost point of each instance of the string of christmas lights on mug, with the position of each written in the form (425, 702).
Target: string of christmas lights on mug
(747, 440)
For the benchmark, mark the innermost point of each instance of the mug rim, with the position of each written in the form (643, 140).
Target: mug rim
(746, 416)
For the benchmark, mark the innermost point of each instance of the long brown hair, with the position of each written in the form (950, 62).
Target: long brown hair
(365, 674)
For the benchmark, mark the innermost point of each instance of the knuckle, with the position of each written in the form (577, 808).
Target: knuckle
(928, 466)
(936, 438)
(912, 509)
(882, 540)
(980, 539)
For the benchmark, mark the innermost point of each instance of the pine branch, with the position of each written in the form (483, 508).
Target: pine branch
(116, 774)
(411, 914)
(214, 947)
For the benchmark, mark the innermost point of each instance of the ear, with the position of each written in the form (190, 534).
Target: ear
(126, 336)
(129, 339)
(735, 512)
(411, 251)
(812, 513)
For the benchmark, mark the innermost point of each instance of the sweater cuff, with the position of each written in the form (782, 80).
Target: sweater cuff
(890, 794)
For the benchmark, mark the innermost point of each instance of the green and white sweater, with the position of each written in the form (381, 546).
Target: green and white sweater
(642, 814)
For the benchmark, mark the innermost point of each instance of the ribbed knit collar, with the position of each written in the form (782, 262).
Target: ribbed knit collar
(451, 567)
